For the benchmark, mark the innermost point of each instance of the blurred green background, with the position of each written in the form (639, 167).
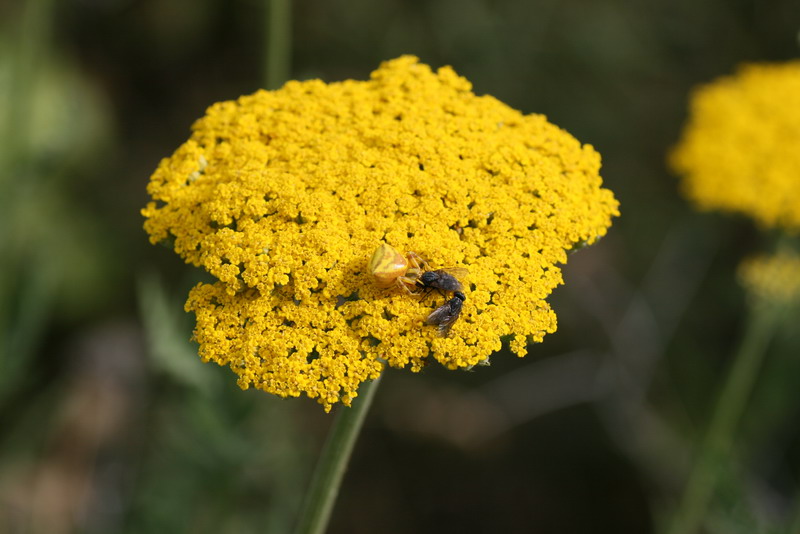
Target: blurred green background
(109, 423)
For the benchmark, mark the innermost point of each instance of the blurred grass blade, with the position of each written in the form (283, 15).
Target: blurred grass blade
(23, 328)
(166, 331)
(31, 42)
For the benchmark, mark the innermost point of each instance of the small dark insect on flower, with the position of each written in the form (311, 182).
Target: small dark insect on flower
(441, 279)
(445, 315)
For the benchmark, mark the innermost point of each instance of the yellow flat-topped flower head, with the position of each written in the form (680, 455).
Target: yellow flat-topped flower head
(284, 196)
(740, 149)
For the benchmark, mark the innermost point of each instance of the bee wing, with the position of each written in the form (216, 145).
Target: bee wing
(445, 316)
(458, 272)
(441, 315)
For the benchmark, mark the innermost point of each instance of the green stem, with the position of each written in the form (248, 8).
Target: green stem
(278, 43)
(332, 463)
(730, 405)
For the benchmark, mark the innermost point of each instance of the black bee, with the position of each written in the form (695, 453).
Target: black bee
(441, 280)
(445, 315)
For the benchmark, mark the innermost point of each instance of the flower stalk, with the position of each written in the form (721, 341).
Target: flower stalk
(732, 401)
(327, 478)
(278, 42)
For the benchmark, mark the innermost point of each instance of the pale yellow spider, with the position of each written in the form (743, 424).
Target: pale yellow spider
(389, 267)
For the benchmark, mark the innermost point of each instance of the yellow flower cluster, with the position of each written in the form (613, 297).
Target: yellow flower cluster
(773, 278)
(740, 150)
(283, 196)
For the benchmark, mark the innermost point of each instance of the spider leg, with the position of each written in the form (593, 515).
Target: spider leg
(404, 282)
(416, 266)
(418, 262)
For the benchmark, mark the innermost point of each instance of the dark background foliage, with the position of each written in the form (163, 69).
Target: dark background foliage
(108, 421)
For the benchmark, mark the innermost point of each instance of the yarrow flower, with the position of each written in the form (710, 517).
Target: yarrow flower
(284, 195)
(773, 278)
(740, 150)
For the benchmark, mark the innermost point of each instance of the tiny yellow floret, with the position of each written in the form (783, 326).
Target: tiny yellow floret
(283, 197)
(740, 148)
